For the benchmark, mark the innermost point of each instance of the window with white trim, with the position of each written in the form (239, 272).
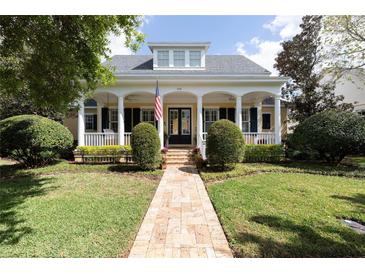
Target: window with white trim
(210, 116)
(113, 120)
(90, 122)
(148, 115)
(245, 120)
(179, 58)
(195, 58)
(266, 121)
(163, 58)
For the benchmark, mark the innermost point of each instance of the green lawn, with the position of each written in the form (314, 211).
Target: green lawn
(275, 212)
(245, 169)
(67, 210)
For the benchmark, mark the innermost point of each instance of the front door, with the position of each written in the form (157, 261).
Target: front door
(179, 126)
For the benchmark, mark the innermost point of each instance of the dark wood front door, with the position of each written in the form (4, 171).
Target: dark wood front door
(179, 126)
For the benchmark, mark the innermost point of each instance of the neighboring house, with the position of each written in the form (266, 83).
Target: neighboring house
(196, 90)
(352, 87)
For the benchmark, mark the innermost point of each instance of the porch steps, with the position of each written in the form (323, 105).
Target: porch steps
(179, 156)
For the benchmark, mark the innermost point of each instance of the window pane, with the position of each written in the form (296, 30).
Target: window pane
(148, 116)
(89, 122)
(174, 122)
(195, 58)
(179, 58)
(163, 58)
(211, 115)
(185, 122)
(266, 123)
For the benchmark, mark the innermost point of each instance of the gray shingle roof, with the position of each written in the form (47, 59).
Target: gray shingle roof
(214, 64)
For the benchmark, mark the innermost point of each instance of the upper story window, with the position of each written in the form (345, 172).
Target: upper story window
(179, 58)
(163, 58)
(195, 58)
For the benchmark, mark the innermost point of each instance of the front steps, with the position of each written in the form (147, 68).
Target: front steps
(179, 156)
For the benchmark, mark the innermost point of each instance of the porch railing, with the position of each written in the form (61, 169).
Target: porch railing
(127, 138)
(105, 138)
(259, 138)
(101, 139)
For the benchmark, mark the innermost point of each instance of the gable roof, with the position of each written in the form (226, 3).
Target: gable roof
(214, 64)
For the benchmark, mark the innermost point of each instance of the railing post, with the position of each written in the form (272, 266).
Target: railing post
(81, 124)
(277, 120)
(121, 120)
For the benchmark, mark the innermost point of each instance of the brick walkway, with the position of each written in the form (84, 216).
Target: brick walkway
(181, 221)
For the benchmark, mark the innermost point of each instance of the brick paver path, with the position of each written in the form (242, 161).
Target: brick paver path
(181, 221)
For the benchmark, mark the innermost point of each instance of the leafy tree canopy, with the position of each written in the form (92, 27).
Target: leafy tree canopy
(301, 60)
(344, 44)
(56, 59)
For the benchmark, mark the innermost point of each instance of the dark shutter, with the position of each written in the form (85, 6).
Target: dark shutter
(266, 123)
(95, 122)
(222, 113)
(253, 119)
(104, 118)
(127, 119)
(136, 116)
(231, 114)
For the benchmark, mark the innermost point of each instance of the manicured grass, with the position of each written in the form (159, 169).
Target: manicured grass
(358, 160)
(245, 169)
(69, 210)
(7, 170)
(291, 215)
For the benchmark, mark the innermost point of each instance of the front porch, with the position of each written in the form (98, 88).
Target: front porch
(108, 118)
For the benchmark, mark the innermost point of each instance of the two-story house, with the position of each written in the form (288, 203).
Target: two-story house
(196, 90)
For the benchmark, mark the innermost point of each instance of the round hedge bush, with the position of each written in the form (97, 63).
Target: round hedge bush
(225, 144)
(33, 140)
(146, 146)
(332, 135)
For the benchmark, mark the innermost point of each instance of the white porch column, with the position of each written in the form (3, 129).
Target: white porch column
(239, 112)
(277, 120)
(161, 125)
(81, 124)
(199, 133)
(98, 115)
(259, 115)
(121, 120)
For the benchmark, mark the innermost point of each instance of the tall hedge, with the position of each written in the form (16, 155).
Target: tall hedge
(146, 146)
(225, 144)
(331, 135)
(33, 140)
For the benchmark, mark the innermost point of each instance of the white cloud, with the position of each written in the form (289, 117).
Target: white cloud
(265, 51)
(117, 43)
(265, 55)
(286, 26)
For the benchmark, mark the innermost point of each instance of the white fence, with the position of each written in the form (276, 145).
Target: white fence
(105, 139)
(250, 138)
(127, 138)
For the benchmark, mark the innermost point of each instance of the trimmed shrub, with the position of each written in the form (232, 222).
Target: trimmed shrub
(225, 144)
(264, 153)
(332, 135)
(104, 150)
(33, 140)
(146, 146)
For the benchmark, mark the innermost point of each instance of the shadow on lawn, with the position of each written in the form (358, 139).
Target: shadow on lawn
(306, 241)
(14, 192)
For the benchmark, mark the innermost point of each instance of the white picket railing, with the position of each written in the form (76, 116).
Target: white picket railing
(101, 139)
(250, 138)
(259, 138)
(105, 138)
(127, 138)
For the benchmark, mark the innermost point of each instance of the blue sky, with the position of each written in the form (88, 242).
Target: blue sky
(257, 37)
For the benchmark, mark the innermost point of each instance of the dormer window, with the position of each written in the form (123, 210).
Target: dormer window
(163, 58)
(195, 58)
(179, 58)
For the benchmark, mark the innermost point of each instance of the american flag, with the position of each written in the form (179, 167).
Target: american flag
(158, 108)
